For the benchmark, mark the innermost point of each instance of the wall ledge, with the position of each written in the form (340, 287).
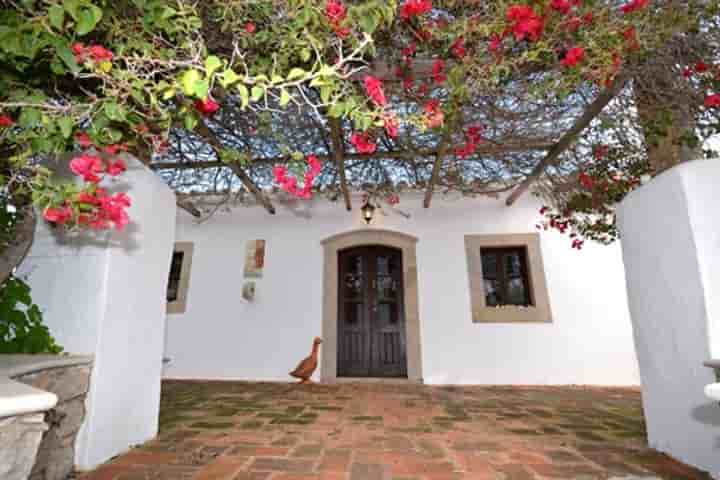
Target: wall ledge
(17, 398)
(24, 364)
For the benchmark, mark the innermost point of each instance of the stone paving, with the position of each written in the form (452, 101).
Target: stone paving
(259, 431)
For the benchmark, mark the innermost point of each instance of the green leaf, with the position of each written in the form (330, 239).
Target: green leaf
(337, 110)
(296, 73)
(190, 122)
(244, 96)
(87, 20)
(115, 112)
(66, 126)
(212, 63)
(228, 77)
(202, 88)
(66, 55)
(188, 81)
(30, 117)
(257, 93)
(284, 97)
(56, 14)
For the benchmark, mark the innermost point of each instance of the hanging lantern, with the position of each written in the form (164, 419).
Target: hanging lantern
(368, 210)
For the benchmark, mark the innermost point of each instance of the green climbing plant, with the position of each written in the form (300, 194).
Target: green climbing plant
(21, 323)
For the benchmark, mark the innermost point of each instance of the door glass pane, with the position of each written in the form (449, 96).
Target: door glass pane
(489, 264)
(353, 313)
(354, 276)
(387, 287)
(387, 313)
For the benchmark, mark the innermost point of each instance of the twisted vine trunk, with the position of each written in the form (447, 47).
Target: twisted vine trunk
(15, 251)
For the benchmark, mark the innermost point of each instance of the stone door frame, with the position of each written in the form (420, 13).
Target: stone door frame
(355, 238)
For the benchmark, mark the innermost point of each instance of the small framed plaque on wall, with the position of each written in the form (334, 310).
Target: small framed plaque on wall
(254, 258)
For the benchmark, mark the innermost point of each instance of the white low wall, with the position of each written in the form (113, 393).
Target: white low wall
(220, 336)
(106, 297)
(671, 247)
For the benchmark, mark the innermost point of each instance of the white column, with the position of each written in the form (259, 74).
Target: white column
(105, 296)
(671, 250)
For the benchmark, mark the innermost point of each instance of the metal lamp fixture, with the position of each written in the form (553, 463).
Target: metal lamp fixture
(368, 211)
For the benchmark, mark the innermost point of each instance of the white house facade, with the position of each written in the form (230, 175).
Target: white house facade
(465, 292)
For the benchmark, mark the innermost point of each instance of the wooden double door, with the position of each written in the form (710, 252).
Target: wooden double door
(371, 314)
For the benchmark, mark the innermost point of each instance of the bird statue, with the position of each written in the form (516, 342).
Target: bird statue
(307, 367)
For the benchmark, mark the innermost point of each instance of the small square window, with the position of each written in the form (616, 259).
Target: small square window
(175, 273)
(505, 276)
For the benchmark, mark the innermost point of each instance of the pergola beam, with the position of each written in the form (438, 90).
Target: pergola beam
(214, 142)
(189, 207)
(592, 111)
(486, 149)
(336, 135)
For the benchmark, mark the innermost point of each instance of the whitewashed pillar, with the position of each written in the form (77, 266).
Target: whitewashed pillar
(105, 297)
(671, 250)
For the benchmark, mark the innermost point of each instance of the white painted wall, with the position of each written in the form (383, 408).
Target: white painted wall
(220, 336)
(106, 297)
(671, 247)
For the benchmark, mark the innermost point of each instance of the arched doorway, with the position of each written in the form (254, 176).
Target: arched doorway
(371, 314)
(371, 325)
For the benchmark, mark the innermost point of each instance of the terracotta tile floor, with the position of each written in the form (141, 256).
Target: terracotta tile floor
(256, 431)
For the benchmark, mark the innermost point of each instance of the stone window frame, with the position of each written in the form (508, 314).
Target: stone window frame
(179, 305)
(355, 238)
(539, 312)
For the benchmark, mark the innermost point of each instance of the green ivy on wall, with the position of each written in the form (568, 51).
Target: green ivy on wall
(21, 323)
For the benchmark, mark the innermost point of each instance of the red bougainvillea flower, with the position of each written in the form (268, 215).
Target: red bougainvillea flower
(701, 67)
(472, 138)
(577, 243)
(207, 107)
(712, 101)
(573, 24)
(6, 121)
(586, 181)
(634, 5)
(437, 71)
(544, 209)
(374, 89)
(415, 8)
(393, 199)
(88, 167)
(588, 18)
(115, 148)
(58, 216)
(410, 50)
(335, 12)
(526, 24)
(83, 140)
(363, 143)
(562, 6)
(599, 151)
(250, 28)
(573, 56)
(79, 51)
(392, 125)
(631, 40)
(458, 47)
(112, 209)
(434, 116)
(100, 53)
(687, 72)
(289, 183)
(90, 199)
(116, 167)
(495, 44)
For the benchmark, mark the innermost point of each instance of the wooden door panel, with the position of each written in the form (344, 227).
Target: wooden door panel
(371, 317)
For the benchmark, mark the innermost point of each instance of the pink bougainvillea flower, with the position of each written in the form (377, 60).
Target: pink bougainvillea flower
(207, 107)
(250, 28)
(458, 47)
(392, 125)
(83, 140)
(280, 173)
(100, 53)
(88, 167)
(573, 56)
(88, 198)
(335, 12)
(438, 69)
(363, 143)
(116, 167)
(415, 8)
(713, 100)
(393, 199)
(495, 44)
(314, 164)
(634, 5)
(526, 24)
(586, 181)
(562, 6)
(434, 116)
(115, 148)
(79, 51)
(6, 121)
(374, 89)
(58, 216)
